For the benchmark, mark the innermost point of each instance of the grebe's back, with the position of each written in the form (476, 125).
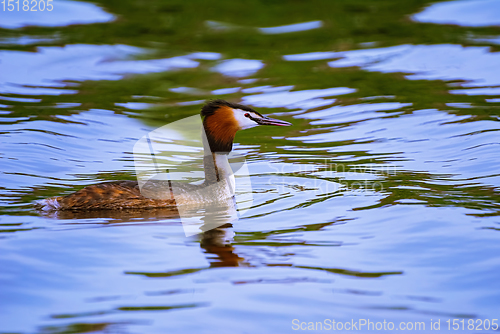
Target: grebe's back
(116, 195)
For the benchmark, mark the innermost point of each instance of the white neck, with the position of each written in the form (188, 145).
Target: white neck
(217, 169)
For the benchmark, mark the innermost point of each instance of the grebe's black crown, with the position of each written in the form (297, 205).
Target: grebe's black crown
(212, 106)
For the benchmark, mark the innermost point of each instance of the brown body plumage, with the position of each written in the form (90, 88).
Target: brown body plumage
(116, 195)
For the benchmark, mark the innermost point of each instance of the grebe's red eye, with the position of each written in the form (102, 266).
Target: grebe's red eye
(247, 115)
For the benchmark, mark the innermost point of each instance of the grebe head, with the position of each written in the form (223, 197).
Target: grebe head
(223, 119)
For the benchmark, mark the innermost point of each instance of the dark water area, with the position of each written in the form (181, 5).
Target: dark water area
(380, 203)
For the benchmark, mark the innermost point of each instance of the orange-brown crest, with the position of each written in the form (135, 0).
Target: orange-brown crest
(222, 125)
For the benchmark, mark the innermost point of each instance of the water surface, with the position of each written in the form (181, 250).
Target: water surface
(379, 203)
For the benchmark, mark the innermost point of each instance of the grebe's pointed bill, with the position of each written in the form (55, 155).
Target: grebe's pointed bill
(271, 121)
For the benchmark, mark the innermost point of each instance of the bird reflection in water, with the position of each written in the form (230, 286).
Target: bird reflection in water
(214, 222)
(218, 234)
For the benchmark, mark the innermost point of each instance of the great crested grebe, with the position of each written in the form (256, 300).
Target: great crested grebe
(221, 121)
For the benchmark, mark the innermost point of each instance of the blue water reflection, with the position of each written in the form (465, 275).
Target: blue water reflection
(50, 14)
